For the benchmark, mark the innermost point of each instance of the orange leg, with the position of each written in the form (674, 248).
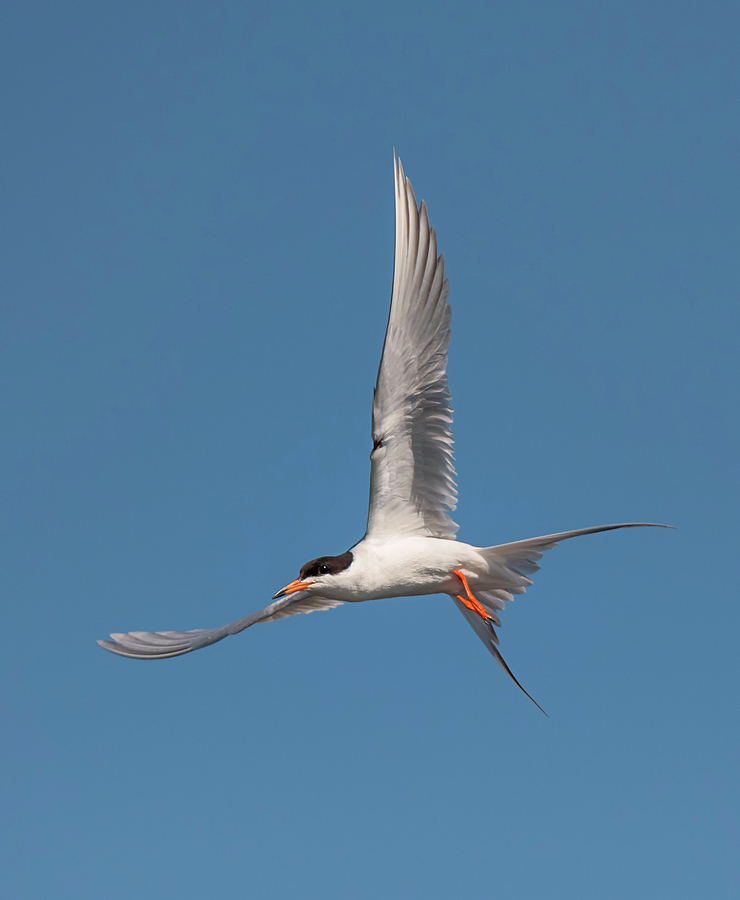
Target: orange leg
(469, 600)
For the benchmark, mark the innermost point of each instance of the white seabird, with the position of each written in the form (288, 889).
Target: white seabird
(409, 547)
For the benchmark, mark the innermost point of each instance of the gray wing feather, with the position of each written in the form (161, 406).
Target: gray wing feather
(164, 644)
(412, 479)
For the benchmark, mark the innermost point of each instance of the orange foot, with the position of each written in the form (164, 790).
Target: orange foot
(469, 600)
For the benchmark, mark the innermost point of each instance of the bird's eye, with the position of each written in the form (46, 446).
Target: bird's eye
(323, 570)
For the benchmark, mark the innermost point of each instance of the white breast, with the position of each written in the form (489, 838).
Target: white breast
(405, 567)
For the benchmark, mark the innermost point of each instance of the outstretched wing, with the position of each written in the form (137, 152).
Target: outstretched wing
(412, 480)
(163, 644)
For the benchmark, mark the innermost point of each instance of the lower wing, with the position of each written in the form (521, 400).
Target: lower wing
(163, 644)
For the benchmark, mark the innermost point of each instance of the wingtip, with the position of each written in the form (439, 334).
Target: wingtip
(111, 646)
(399, 171)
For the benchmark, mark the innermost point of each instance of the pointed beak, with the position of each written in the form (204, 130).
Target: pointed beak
(291, 588)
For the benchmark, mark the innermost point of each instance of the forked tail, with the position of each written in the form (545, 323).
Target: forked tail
(512, 564)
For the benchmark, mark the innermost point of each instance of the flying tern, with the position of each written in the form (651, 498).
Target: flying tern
(409, 547)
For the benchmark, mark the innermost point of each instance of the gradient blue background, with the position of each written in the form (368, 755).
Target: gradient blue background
(197, 232)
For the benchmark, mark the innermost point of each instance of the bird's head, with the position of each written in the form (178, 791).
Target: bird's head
(317, 573)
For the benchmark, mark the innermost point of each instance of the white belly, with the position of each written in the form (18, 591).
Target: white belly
(406, 567)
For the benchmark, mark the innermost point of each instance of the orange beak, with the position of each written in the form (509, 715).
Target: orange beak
(291, 588)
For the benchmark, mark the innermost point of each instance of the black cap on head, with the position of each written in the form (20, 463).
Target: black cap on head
(326, 565)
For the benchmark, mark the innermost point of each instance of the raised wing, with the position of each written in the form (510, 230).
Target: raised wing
(412, 479)
(163, 644)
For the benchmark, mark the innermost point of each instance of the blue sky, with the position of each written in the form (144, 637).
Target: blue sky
(197, 243)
